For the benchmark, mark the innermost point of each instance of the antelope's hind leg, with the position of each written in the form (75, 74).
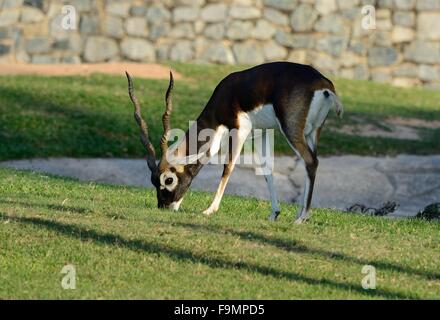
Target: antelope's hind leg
(263, 148)
(307, 154)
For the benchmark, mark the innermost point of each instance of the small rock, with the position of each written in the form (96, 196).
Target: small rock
(428, 73)
(361, 72)
(71, 59)
(276, 17)
(192, 3)
(330, 23)
(182, 51)
(98, 49)
(89, 24)
(428, 5)
(404, 18)
(428, 26)
(347, 4)
(323, 61)
(263, 30)
(4, 49)
(214, 12)
(215, 31)
(44, 59)
(185, 14)
(333, 45)
(382, 56)
(138, 11)
(248, 53)
(82, 5)
(158, 15)
(182, 31)
(431, 212)
(12, 4)
(38, 45)
(31, 15)
(218, 53)
(244, 12)
(9, 17)
(113, 27)
(324, 7)
(136, 26)
(272, 51)
(294, 41)
(297, 56)
(158, 30)
(281, 4)
(239, 30)
(303, 18)
(405, 4)
(406, 70)
(138, 49)
(73, 43)
(118, 8)
(162, 51)
(423, 52)
(401, 34)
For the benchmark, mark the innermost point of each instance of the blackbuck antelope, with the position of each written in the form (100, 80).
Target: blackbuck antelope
(291, 97)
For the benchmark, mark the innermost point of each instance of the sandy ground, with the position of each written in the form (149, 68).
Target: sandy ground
(141, 70)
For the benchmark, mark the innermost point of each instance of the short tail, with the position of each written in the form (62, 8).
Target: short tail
(337, 103)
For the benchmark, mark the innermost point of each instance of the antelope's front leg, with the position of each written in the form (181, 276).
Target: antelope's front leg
(238, 138)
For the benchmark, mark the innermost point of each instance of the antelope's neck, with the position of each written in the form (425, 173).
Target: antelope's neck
(193, 146)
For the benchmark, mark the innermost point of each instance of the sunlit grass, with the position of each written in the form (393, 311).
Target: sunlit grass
(123, 247)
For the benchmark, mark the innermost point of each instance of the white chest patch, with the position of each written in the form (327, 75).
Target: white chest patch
(219, 139)
(263, 117)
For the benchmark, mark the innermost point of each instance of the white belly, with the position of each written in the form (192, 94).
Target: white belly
(263, 117)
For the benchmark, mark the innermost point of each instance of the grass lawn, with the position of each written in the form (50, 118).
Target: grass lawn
(92, 116)
(122, 247)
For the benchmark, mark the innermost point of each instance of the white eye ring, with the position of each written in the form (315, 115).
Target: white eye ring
(163, 181)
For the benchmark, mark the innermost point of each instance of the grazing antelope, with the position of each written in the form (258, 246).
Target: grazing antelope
(291, 97)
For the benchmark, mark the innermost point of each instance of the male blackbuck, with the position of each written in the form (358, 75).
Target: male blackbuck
(291, 97)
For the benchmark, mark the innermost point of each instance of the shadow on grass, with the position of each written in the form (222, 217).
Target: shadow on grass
(55, 207)
(54, 128)
(296, 246)
(86, 234)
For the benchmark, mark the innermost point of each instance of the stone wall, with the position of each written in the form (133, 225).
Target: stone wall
(404, 49)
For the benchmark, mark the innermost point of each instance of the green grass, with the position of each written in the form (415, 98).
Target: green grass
(122, 247)
(92, 116)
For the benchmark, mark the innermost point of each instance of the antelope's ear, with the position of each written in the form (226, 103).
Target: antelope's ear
(182, 161)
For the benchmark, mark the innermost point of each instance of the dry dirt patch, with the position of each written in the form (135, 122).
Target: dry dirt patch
(396, 128)
(141, 70)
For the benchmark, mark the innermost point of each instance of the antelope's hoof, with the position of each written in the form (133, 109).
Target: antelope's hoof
(208, 212)
(274, 216)
(300, 220)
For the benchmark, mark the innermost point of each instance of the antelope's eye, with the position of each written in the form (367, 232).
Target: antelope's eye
(168, 181)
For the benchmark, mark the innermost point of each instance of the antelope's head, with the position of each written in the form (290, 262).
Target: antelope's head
(170, 180)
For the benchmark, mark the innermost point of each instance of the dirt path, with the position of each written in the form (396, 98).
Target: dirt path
(411, 181)
(141, 70)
